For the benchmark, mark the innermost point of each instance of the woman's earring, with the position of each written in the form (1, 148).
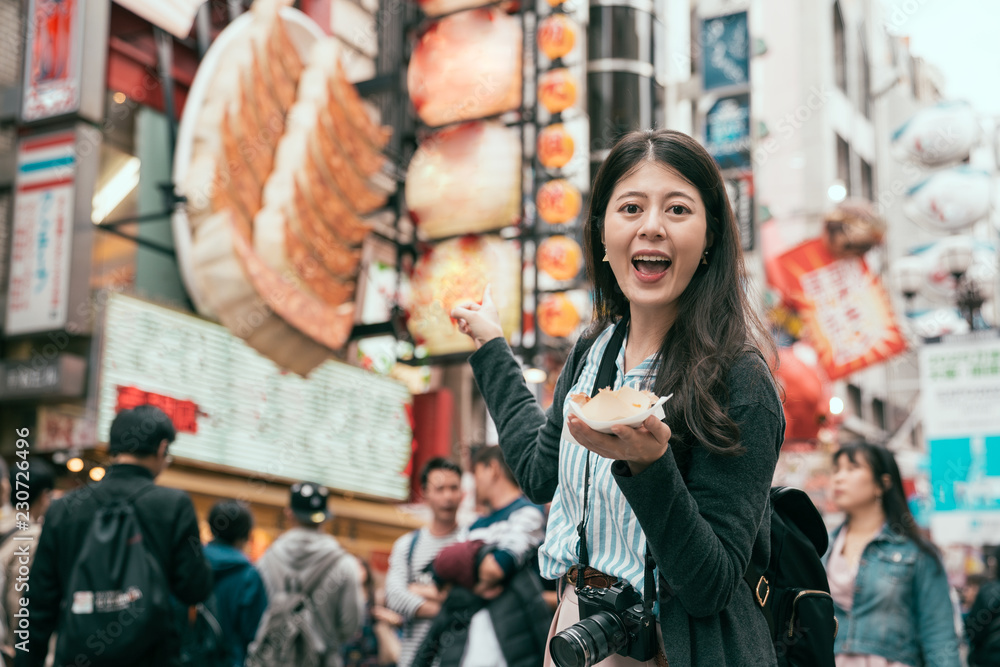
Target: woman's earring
(704, 258)
(605, 254)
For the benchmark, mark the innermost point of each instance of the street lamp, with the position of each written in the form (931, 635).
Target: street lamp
(957, 258)
(974, 281)
(908, 273)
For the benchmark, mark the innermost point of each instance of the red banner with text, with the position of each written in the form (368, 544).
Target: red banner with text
(845, 310)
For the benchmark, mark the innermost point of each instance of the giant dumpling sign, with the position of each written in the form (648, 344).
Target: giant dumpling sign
(458, 270)
(465, 179)
(466, 66)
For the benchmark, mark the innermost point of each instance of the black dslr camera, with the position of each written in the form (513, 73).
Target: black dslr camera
(613, 620)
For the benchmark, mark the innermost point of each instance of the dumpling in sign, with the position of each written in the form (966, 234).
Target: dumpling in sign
(465, 179)
(466, 66)
(458, 270)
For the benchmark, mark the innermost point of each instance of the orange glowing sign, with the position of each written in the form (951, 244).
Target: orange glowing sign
(556, 36)
(557, 316)
(557, 90)
(558, 202)
(560, 257)
(555, 146)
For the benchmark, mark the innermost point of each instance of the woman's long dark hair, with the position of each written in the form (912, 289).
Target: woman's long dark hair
(897, 512)
(715, 322)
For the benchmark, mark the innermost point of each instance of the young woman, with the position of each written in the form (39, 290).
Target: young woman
(889, 588)
(664, 255)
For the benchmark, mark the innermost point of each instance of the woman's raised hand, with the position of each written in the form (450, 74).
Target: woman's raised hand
(639, 447)
(480, 322)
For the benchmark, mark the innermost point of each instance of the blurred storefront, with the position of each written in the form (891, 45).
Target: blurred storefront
(87, 139)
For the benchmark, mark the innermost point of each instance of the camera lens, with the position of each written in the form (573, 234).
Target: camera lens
(588, 642)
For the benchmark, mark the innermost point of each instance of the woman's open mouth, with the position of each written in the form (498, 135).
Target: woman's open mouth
(649, 268)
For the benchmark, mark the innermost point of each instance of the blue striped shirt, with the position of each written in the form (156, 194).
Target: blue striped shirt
(614, 539)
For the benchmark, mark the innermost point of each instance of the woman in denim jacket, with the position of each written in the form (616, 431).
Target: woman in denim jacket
(890, 590)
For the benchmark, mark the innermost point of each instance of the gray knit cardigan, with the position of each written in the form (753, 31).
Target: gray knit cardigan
(704, 526)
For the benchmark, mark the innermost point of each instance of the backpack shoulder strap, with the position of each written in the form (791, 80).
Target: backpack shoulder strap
(415, 537)
(760, 588)
(312, 581)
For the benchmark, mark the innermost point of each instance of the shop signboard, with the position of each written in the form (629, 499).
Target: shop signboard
(960, 389)
(63, 427)
(725, 47)
(341, 426)
(51, 239)
(61, 77)
(727, 132)
(739, 186)
(845, 310)
(58, 376)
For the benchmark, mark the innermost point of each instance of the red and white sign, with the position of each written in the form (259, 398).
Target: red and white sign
(43, 234)
(52, 59)
(846, 312)
(61, 429)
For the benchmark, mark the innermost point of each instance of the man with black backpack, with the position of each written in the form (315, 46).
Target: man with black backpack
(111, 554)
(315, 603)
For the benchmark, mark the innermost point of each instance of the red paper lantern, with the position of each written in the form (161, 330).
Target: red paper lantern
(806, 399)
(555, 146)
(557, 90)
(556, 36)
(558, 202)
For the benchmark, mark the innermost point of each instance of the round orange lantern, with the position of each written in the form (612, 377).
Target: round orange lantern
(555, 146)
(557, 316)
(560, 257)
(557, 90)
(556, 36)
(558, 202)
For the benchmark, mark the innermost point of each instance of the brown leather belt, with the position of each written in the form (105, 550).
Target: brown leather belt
(591, 577)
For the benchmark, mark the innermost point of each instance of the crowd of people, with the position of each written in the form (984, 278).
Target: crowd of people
(626, 547)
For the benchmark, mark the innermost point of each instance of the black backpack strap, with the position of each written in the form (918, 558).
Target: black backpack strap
(760, 587)
(409, 555)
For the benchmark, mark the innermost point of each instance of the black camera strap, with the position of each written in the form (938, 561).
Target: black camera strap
(606, 378)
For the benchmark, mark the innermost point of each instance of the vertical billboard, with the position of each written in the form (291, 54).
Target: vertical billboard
(960, 387)
(52, 231)
(725, 58)
(61, 77)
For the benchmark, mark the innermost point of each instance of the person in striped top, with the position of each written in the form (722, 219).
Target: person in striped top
(664, 253)
(409, 587)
